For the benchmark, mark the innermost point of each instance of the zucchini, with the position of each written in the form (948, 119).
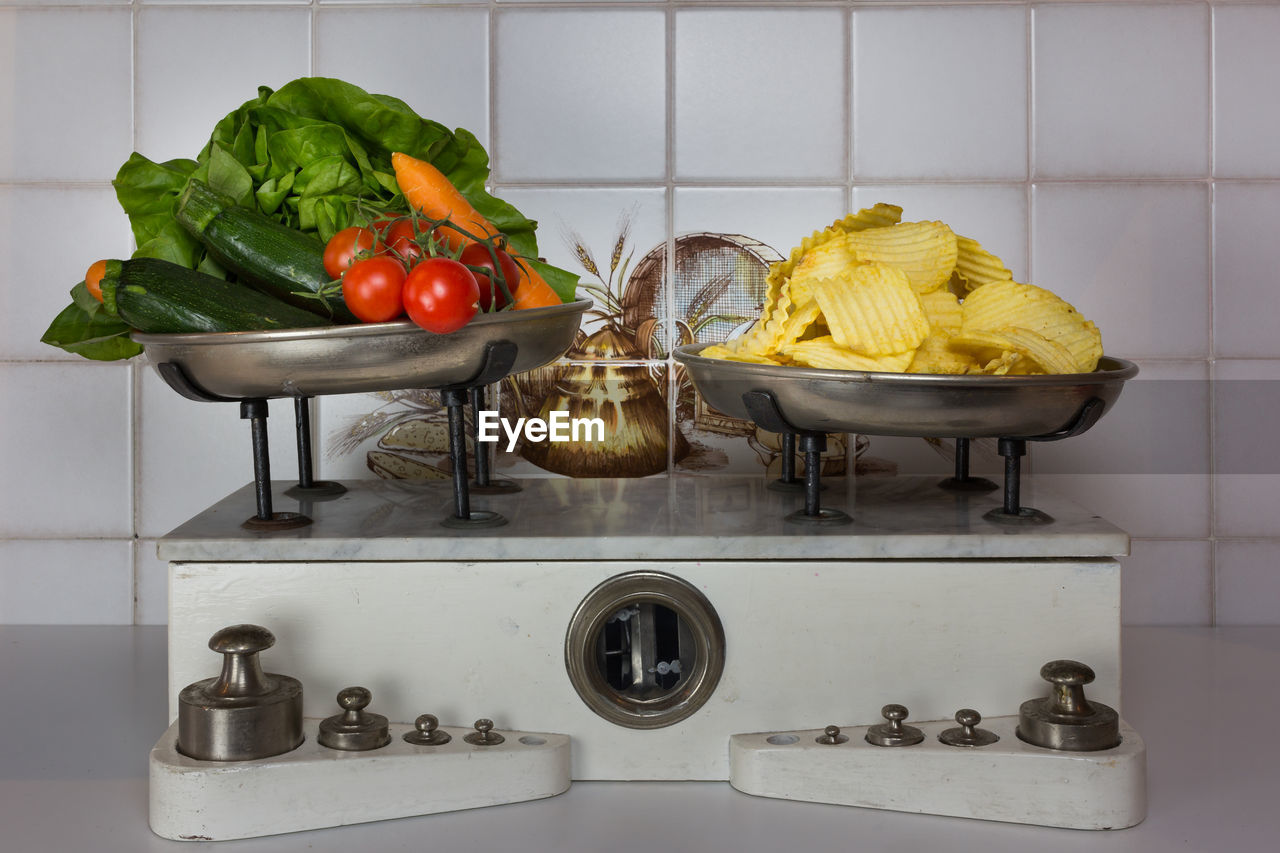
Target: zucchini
(156, 296)
(275, 258)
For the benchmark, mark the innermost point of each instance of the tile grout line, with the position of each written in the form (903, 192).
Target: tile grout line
(849, 23)
(1213, 302)
(1028, 185)
(135, 376)
(669, 203)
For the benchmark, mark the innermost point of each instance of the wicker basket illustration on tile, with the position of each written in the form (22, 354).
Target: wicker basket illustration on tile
(717, 285)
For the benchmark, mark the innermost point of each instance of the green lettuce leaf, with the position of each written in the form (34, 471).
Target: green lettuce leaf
(86, 329)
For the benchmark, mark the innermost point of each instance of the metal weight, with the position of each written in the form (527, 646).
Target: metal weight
(831, 736)
(894, 733)
(1065, 720)
(484, 735)
(355, 729)
(243, 713)
(427, 732)
(968, 734)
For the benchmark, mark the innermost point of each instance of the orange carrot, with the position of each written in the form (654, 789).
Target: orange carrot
(430, 193)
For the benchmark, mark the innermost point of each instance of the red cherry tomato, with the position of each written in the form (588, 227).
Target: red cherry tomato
(441, 295)
(399, 237)
(477, 255)
(372, 287)
(342, 248)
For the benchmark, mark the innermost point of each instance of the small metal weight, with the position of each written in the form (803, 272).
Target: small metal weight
(968, 734)
(427, 732)
(243, 713)
(894, 733)
(1065, 719)
(831, 736)
(484, 735)
(355, 728)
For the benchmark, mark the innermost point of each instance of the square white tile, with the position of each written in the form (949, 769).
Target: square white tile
(150, 585)
(349, 427)
(68, 100)
(191, 454)
(393, 2)
(42, 279)
(1121, 90)
(65, 2)
(1246, 113)
(751, 103)
(1247, 466)
(1248, 582)
(940, 92)
(779, 217)
(66, 455)
(504, 2)
(1246, 218)
(225, 2)
(580, 94)
(448, 83)
(993, 214)
(181, 96)
(1133, 258)
(1158, 426)
(1166, 506)
(1167, 582)
(66, 582)
(1144, 466)
(594, 218)
(903, 455)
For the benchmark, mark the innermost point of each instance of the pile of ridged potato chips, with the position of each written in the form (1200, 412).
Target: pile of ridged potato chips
(872, 293)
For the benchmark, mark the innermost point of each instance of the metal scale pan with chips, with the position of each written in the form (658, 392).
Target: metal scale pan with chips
(660, 622)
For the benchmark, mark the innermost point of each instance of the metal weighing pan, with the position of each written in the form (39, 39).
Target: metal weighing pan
(358, 358)
(905, 404)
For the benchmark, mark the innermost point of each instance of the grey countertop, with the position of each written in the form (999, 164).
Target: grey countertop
(83, 706)
(683, 518)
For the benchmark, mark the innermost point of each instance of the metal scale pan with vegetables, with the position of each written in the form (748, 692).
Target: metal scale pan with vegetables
(593, 629)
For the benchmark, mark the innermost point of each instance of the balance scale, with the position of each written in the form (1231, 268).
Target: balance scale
(657, 629)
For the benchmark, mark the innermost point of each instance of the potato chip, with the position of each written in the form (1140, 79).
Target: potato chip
(1008, 304)
(826, 353)
(879, 216)
(975, 266)
(723, 352)
(935, 355)
(798, 323)
(873, 311)
(942, 310)
(925, 251)
(998, 366)
(1038, 354)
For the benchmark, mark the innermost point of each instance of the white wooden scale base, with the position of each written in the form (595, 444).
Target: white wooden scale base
(1009, 780)
(313, 786)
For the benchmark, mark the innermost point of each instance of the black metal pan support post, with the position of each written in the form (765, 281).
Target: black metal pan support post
(763, 408)
(1013, 449)
(499, 356)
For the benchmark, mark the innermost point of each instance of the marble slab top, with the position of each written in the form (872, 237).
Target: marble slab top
(682, 518)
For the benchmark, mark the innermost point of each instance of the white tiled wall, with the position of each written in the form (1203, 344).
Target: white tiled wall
(1126, 155)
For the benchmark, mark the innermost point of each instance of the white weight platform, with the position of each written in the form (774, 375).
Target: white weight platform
(1009, 780)
(313, 787)
(920, 601)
